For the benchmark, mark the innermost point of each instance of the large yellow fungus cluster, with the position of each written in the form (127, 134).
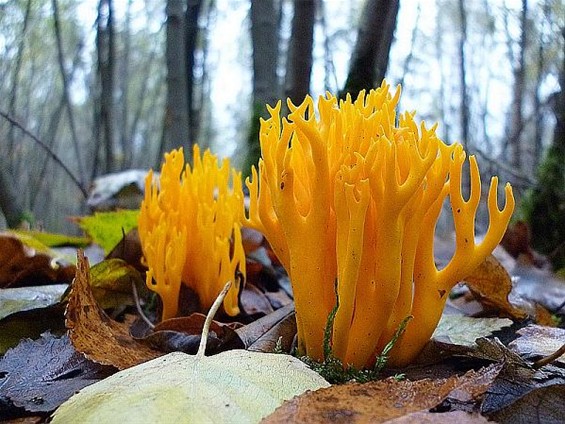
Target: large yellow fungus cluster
(352, 197)
(190, 231)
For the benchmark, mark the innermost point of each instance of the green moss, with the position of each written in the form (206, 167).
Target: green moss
(335, 372)
(544, 207)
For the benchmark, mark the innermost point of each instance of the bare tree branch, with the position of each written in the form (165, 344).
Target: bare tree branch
(65, 79)
(46, 148)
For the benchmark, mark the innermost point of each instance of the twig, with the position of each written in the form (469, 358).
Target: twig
(138, 306)
(209, 318)
(549, 358)
(47, 149)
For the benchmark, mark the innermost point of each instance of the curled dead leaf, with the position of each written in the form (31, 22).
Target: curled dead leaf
(22, 266)
(492, 284)
(93, 333)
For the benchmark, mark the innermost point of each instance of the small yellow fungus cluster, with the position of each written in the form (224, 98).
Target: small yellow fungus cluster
(351, 197)
(190, 230)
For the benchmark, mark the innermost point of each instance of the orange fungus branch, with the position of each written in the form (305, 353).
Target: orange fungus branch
(352, 193)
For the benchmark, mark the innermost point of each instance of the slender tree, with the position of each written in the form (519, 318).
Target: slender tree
(299, 62)
(16, 74)
(193, 11)
(66, 90)
(516, 121)
(464, 113)
(176, 128)
(124, 83)
(105, 43)
(369, 60)
(10, 200)
(266, 86)
(545, 204)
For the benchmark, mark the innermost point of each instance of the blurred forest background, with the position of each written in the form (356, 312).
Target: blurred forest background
(98, 86)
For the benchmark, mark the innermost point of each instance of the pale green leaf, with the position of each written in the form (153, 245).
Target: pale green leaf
(234, 386)
(20, 299)
(463, 331)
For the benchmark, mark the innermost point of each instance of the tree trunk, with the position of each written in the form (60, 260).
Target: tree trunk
(299, 61)
(106, 57)
(545, 206)
(66, 90)
(266, 86)
(123, 81)
(16, 77)
(176, 129)
(265, 40)
(516, 118)
(464, 111)
(369, 60)
(193, 9)
(10, 204)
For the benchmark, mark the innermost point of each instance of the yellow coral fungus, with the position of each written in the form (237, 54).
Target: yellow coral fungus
(352, 196)
(190, 230)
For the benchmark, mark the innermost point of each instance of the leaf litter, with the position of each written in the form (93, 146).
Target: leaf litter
(233, 386)
(512, 394)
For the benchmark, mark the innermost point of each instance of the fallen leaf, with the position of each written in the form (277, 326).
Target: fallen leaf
(39, 375)
(463, 331)
(30, 324)
(254, 302)
(27, 298)
(21, 265)
(492, 284)
(375, 402)
(111, 282)
(93, 333)
(543, 405)
(129, 249)
(107, 228)
(540, 286)
(517, 242)
(233, 386)
(426, 417)
(118, 190)
(277, 328)
(183, 334)
(522, 394)
(51, 239)
(494, 350)
(537, 341)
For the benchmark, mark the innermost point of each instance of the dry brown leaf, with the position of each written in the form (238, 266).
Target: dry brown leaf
(492, 284)
(96, 335)
(543, 316)
(379, 401)
(22, 266)
(541, 405)
(537, 341)
(425, 417)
